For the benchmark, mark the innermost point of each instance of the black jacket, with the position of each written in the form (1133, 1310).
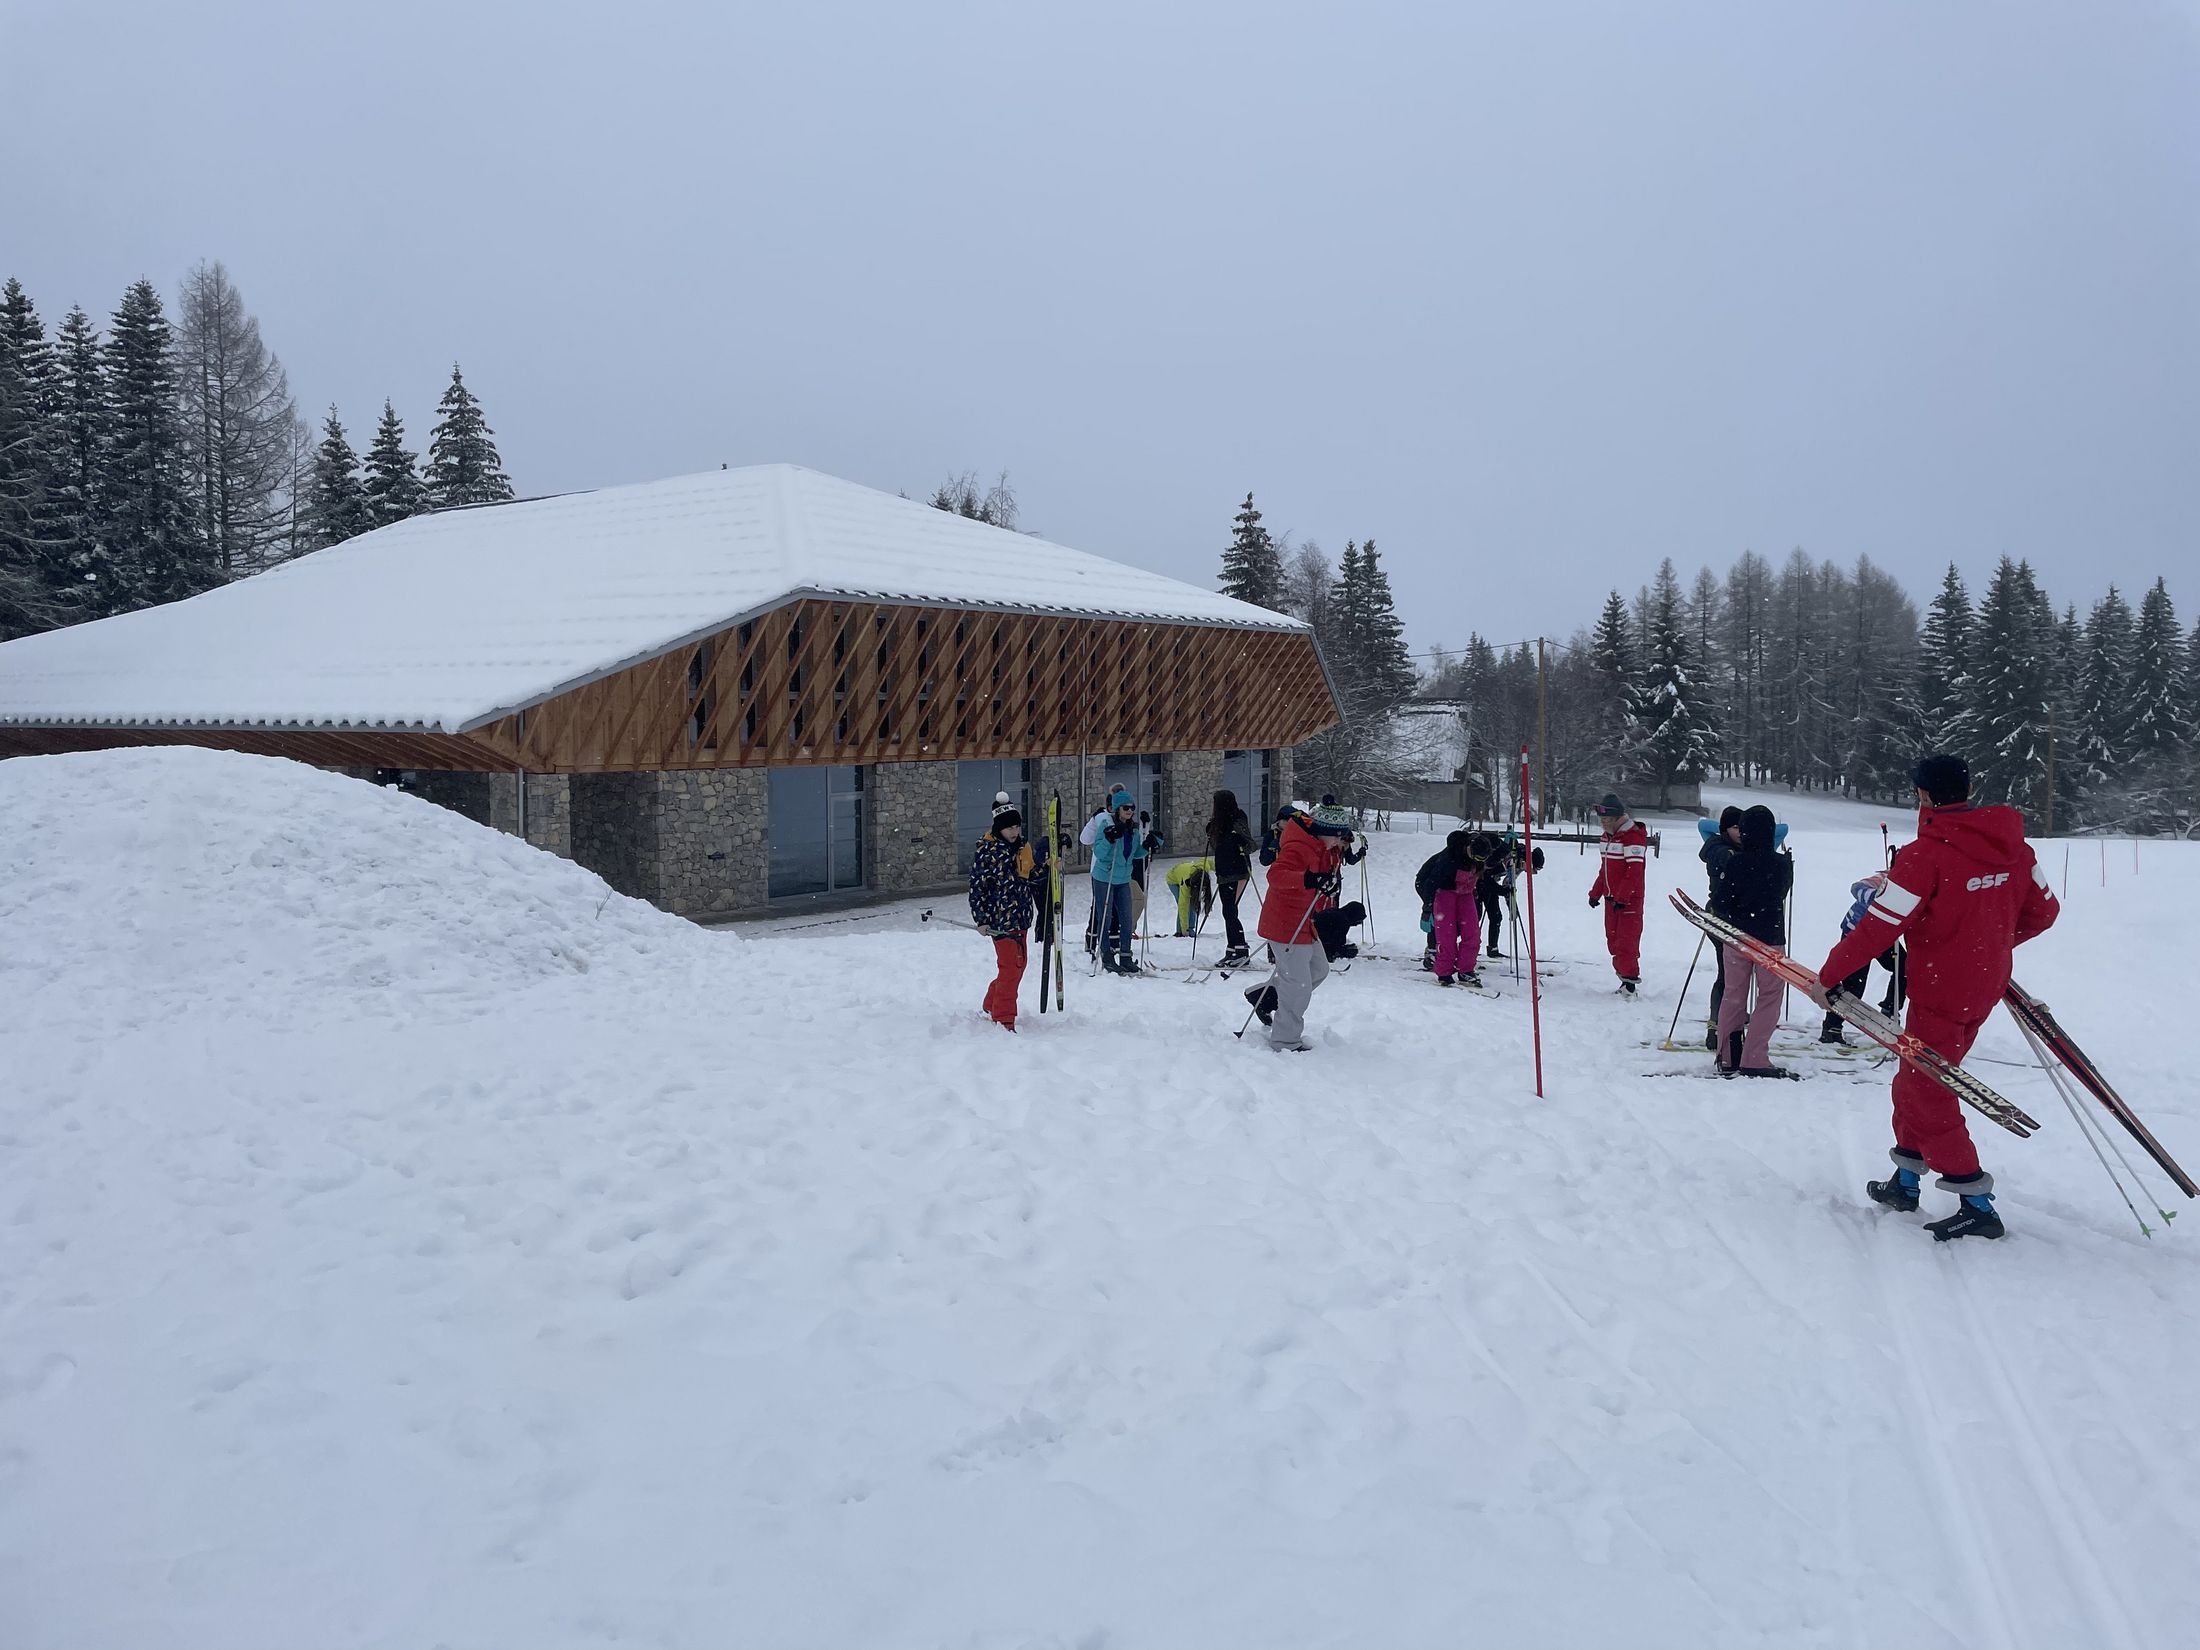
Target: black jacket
(1439, 872)
(1715, 853)
(1750, 889)
(1232, 848)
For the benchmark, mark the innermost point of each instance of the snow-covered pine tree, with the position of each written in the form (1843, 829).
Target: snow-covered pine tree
(2154, 697)
(1617, 670)
(1703, 611)
(2065, 688)
(1384, 658)
(1875, 673)
(336, 502)
(1252, 570)
(463, 466)
(2007, 705)
(959, 496)
(1944, 653)
(85, 549)
(1745, 627)
(33, 596)
(237, 420)
(2100, 743)
(145, 481)
(392, 486)
(1679, 738)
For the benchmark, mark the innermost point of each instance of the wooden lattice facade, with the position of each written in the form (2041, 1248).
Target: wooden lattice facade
(821, 681)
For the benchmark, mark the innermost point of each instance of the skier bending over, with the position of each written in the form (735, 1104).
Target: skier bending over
(1750, 889)
(1448, 883)
(1006, 874)
(1963, 896)
(1499, 876)
(1618, 887)
(1303, 883)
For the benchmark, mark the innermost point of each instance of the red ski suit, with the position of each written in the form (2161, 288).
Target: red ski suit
(1287, 915)
(1963, 896)
(1619, 885)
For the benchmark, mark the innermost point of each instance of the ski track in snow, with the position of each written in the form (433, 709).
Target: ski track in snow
(404, 1241)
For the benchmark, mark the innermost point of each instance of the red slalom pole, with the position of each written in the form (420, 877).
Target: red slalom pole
(1535, 978)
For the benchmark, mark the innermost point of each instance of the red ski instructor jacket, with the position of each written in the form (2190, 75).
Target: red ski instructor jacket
(1964, 896)
(1620, 873)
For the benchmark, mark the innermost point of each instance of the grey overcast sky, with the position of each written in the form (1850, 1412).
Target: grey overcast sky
(1532, 293)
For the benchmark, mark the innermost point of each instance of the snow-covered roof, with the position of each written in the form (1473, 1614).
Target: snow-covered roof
(447, 622)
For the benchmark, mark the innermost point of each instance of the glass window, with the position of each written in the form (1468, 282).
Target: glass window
(1142, 777)
(975, 785)
(1245, 774)
(815, 831)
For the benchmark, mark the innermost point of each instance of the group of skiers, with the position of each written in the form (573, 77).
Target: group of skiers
(1943, 918)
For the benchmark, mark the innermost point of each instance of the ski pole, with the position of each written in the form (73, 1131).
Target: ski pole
(1293, 940)
(1685, 984)
(2077, 1116)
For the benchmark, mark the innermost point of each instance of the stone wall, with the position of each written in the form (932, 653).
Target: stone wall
(462, 793)
(614, 829)
(1282, 779)
(909, 827)
(549, 809)
(713, 856)
(1062, 773)
(1194, 777)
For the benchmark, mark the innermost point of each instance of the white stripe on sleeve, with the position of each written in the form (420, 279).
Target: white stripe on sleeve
(1896, 899)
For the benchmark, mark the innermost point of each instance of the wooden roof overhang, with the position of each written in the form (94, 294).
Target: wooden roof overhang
(823, 680)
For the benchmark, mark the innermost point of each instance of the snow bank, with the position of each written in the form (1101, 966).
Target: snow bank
(200, 882)
(762, 1294)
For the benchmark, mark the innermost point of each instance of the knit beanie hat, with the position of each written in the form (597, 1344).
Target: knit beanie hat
(1611, 807)
(1943, 777)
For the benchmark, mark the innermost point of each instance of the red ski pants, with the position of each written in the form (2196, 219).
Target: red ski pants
(1000, 997)
(1623, 938)
(1928, 1118)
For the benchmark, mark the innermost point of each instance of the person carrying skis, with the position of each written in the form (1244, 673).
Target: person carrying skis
(1113, 837)
(1006, 875)
(1447, 883)
(1963, 897)
(1230, 845)
(1304, 882)
(1618, 887)
(1750, 889)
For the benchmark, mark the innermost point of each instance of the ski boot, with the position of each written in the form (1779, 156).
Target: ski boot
(1627, 985)
(1832, 1033)
(1767, 1071)
(1263, 1003)
(1444, 980)
(1472, 979)
(1711, 1037)
(1236, 957)
(1974, 1217)
(1494, 950)
(1900, 1192)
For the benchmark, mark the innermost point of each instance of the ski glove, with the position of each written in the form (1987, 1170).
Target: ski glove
(1619, 905)
(1595, 900)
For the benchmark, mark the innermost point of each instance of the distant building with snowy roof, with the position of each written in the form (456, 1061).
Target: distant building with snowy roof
(719, 691)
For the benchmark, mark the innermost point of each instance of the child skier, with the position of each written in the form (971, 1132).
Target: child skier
(1618, 887)
(1964, 896)
(1861, 895)
(1193, 885)
(1751, 888)
(1304, 881)
(1230, 846)
(1006, 874)
(1448, 885)
(1113, 836)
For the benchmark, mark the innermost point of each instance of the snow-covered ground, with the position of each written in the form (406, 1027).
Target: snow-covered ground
(404, 1241)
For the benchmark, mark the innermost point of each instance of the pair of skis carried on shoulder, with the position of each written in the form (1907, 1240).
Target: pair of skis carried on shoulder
(2030, 1013)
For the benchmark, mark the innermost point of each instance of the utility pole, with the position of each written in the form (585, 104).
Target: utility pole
(1542, 728)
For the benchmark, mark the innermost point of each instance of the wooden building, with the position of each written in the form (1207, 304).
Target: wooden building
(721, 691)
